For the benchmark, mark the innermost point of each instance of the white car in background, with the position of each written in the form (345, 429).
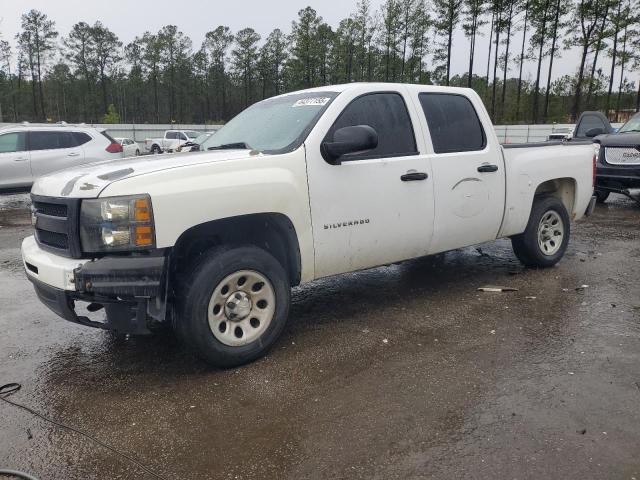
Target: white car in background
(130, 148)
(30, 150)
(170, 142)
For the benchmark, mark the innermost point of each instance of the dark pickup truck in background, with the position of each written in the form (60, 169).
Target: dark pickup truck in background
(618, 164)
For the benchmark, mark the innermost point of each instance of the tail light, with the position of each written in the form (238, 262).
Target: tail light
(114, 148)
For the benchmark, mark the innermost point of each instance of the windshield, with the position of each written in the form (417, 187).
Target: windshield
(275, 125)
(632, 125)
(191, 134)
(201, 138)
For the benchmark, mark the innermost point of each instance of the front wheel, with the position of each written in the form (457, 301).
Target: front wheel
(137, 153)
(156, 150)
(546, 237)
(234, 305)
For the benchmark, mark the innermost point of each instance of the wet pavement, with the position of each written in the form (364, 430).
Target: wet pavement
(404, 371)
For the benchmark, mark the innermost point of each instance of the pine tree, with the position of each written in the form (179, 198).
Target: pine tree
(36, 41)
(244, 60)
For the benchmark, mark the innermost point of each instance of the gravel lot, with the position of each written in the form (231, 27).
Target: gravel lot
(396, 372)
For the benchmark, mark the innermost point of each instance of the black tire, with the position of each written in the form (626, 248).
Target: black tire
(195, 293)
(137, 153)
(526, 246)
(601, 195)
(156, 149)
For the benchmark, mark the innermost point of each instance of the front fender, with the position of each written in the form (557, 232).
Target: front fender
(190, 195)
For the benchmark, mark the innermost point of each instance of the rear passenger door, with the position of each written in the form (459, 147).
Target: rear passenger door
(468, 171)
(53, 150)
(366, 211)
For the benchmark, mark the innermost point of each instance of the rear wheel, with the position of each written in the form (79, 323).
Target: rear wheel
(234, 305)
(155, 149)
(137, 152)
(601, 195)
(546, 237)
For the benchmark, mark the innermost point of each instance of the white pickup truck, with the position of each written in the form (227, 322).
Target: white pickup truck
(296, 187)
(170, 142)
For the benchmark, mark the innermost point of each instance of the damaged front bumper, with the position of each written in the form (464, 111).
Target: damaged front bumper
(132, 290)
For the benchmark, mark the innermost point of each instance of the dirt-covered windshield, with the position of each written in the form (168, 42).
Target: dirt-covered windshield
(274, 125)
(632, 125)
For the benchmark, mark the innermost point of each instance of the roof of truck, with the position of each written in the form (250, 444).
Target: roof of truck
(380, 86)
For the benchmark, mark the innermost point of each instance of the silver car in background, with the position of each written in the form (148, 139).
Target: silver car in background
(30, 150)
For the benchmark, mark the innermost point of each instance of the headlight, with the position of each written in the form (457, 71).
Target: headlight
(117, 224)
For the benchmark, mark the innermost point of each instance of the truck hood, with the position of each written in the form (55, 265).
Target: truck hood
(87, 181)
(631, 139)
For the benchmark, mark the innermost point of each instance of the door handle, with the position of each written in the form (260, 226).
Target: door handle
(20, 159)
(413, 176)
(73, 154)
(487, 168)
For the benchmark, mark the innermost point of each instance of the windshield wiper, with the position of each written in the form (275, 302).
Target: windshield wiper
(231, 146)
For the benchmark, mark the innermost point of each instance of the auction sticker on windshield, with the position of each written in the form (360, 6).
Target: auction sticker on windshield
(311, 101)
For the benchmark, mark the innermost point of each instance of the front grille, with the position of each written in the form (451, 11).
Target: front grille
(622, 155)
(56, 222)
(51, 209)
(53, 239)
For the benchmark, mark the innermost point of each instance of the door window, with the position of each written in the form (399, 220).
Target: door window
(81, 138)
(13, 142)
(587, 123)
(182, 136)
(388, 115)
(453, 123)
(50, 140)
(171, 135)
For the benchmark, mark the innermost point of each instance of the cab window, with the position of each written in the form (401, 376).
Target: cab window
(385, 112)
(453, 123)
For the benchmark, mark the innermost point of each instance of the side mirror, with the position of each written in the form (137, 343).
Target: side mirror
(353, 139)
(594, 132)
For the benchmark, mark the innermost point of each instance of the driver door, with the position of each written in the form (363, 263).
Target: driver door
(376, 206)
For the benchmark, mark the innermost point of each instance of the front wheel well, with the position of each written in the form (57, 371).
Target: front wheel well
(272, 232)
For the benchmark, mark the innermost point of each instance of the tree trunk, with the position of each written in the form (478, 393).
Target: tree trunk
(614, 51)
(595, 57)
(472, 49)
(404, 45)
(524, 38)
(578, 94)
(536, 90)
(493, 16)
(622, 65)
(506, 61)
(449, 42)
(495, 63)
(40, 89)
(103, 81)
(155, 96)
(553, 51)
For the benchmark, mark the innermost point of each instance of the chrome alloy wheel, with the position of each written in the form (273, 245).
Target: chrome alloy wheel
(550, 233)
(241, 308)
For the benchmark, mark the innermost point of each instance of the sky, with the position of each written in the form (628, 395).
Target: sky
(129, 19)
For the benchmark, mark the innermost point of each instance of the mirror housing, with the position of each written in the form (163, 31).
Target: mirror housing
(594, 132)
(352, 139)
